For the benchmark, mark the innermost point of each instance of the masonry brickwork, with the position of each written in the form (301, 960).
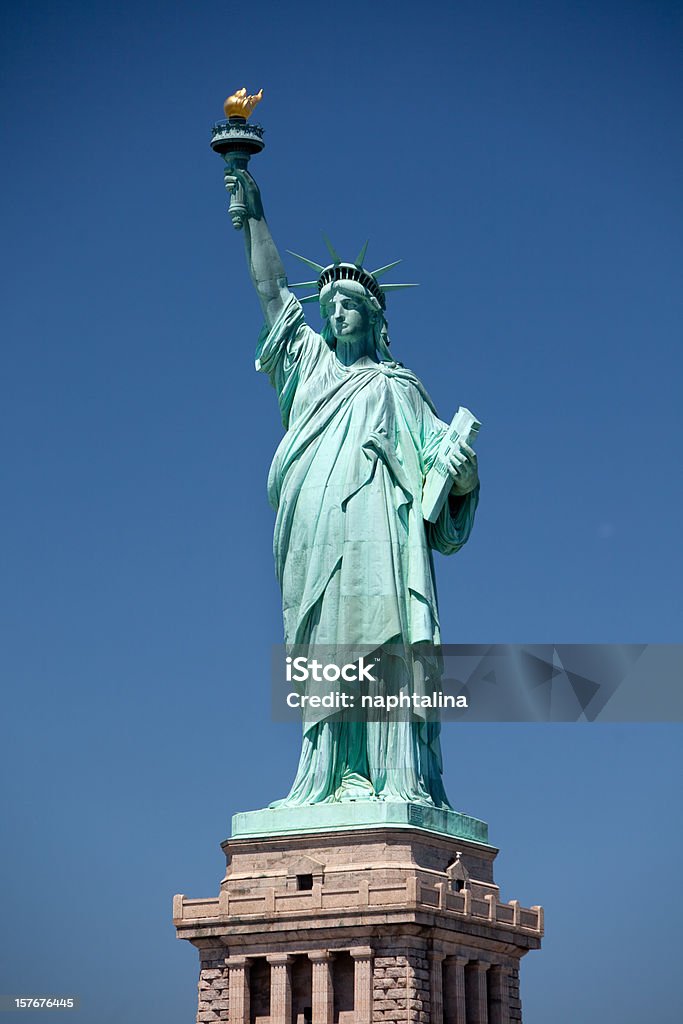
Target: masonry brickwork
(374, 926)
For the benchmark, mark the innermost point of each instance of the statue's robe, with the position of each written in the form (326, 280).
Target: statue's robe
(353, 553)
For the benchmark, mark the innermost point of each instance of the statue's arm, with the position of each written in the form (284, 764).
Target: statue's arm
(265, 266)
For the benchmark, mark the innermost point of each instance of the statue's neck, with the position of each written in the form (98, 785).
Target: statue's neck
(350, 350)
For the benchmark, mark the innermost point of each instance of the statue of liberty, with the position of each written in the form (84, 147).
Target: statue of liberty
(353, 552)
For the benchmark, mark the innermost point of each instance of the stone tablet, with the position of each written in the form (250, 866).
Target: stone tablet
(464, 427)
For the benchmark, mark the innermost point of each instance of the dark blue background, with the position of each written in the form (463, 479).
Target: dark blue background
(525, 160)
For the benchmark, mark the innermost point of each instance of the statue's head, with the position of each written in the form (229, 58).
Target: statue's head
(360, 290)
(347, 306)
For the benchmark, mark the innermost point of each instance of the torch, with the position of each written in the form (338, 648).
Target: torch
(237, 141)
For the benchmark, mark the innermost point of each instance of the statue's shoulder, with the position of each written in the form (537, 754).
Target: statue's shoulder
(412, 385)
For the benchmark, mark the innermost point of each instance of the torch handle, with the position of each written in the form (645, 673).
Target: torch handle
(238, 207)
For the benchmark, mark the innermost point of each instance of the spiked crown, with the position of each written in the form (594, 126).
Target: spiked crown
(338, 270)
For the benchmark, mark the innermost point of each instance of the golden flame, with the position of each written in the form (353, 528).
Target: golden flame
(241, 105)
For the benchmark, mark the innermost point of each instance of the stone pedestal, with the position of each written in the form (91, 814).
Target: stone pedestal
(399, 925)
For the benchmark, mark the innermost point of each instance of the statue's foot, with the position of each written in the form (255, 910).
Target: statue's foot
(354, 787)
(420, 799)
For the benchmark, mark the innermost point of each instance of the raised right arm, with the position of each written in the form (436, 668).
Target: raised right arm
(265, 266)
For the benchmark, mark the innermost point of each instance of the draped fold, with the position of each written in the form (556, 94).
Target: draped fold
(353, 554)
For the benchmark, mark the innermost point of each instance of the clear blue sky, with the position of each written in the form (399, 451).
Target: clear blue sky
(525, 160)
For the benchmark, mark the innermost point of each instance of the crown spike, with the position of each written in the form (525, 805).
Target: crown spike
(336, 258)
(316, 266)
(395, 287)
(303, 284)
(310, 298)
(383, 270)
(361, 255)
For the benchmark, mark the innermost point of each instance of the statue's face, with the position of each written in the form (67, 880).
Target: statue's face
(349, 317)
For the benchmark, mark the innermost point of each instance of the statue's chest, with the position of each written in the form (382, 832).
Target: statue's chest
(355, 394)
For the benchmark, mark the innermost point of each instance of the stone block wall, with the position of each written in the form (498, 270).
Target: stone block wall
(397, 983)
(514, 1000)
(418, 988)
(366, 927)
(401, 987)
(213, 987)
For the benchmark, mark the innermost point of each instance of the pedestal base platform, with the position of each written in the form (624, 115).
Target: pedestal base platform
(368, 924)
(279, 821)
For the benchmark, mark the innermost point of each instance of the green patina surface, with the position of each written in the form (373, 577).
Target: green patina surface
(353, 551)
(327, 817)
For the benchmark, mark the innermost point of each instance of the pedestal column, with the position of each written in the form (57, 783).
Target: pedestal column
(323, 994)
(477, 1003)
(455, 988)
(499, 995)
(238, 989)
(436, 987)
(280, 988)
(362, 984)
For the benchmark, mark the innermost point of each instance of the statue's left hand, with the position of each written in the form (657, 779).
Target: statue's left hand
(251, 193)
(463, 469)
